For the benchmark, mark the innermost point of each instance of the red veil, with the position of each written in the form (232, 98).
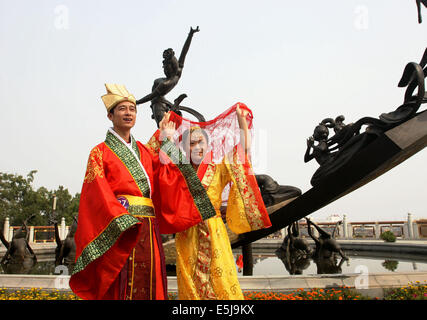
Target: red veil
(224, 141)
(223, 131)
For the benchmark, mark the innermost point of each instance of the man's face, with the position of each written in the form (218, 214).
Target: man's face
(124, 115)
(198, 146)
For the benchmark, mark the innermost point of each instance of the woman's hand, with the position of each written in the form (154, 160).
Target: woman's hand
(245, 138)
(241, 113)
(167, 127)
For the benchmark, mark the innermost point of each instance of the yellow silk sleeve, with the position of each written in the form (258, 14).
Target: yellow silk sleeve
(236, 216)
(236, 212)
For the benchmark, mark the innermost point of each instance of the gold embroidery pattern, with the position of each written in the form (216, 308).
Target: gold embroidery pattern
(154, 144)
(206, 267)
(198, 192)
(95, 167)
(209, 174)
(252, 213)
(202, 266)
(202, 270)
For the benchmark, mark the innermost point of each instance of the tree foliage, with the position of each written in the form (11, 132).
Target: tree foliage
(19, 200)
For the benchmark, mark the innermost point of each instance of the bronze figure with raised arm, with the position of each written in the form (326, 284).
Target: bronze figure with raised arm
(172, 69)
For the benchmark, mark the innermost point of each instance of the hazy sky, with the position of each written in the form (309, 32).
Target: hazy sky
(293, 63)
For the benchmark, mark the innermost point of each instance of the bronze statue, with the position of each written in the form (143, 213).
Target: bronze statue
(325, 243)
(273, 193)
(295, 251)
(172, 69)
(326, 248)
(295, 262)
(294, 241)
(419, 2)
(321, 151)
(65, 252)
(334, 152)
(19, 257)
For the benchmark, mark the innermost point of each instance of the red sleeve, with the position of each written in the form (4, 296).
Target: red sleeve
(180, 201)
(105, 236)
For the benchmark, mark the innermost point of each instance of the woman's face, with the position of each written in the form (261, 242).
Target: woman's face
(198, 146)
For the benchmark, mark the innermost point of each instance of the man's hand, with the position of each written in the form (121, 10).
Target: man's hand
(167, 128)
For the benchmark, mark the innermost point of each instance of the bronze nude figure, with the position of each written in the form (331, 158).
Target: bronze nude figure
(326, 248)
(172, 68)
(295, 251)
(19, 257)
(65, 252)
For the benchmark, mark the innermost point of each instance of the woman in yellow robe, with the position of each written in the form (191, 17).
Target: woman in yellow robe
(205, 262)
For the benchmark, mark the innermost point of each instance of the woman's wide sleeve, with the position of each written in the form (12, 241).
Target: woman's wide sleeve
(105, 236)
(180, 201)
(245, 208)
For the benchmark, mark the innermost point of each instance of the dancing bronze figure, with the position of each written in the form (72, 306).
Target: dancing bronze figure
(172, 68)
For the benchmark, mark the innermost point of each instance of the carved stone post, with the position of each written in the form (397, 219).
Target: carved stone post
(63, 230)
(31, 237)
(10, 236)
(410, 226)
(377, 230)
(345, 226)
(6, 229)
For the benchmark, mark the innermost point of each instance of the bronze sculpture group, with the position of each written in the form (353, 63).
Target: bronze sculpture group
(296, 253)
(332, 153)
(20, 258)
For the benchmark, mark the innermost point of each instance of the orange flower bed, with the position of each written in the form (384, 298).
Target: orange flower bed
(343, 293)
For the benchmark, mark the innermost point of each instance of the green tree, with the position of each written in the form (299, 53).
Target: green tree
(67, 205)
(16, 192)
(18, 201)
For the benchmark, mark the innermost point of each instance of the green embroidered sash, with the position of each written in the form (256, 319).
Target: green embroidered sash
(129, 160)
(198, 192)
(104, 241)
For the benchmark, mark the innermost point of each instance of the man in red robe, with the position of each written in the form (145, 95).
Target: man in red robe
(129, 197)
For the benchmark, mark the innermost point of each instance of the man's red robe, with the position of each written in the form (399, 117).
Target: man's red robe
(130, 196)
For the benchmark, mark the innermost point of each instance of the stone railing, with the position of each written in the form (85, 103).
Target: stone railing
(38, 234)
(408, 230)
